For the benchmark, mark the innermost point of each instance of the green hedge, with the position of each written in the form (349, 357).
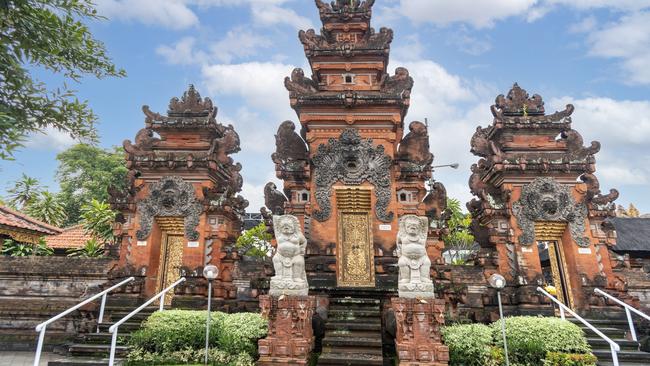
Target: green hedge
(178, 336)
(216, 357)
(532, 341)
(469, 344)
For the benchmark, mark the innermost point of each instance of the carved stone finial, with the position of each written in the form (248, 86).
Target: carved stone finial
(414, 263)
(289, 258)
(290, 148)
(190, 103)
(274, 199)
(415, 145)
(300, 84)
(401, 83)
(575, 148)
(518, 103)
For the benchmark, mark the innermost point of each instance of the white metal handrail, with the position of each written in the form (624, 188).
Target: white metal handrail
(628, 309)
(41, 328)
(114, 328)
(615, 348)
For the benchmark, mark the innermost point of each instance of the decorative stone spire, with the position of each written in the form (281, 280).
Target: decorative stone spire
(190, 103)
(518, 103)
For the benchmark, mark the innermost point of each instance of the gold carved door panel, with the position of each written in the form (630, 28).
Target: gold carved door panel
(171, 260)
(355, 254)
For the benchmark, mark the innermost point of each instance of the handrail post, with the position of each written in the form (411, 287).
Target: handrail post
(614, 355)
(111, 358)
(162, 301)
(39, 347)
(562, 313)
(101, 312)
(631, 324)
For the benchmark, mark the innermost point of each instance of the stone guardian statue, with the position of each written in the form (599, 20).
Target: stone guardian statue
(414, 263)
(289, 259)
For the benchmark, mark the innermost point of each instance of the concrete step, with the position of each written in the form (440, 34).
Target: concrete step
(626, 345)
(352, 334)
(127, 327)
(353, 301)
(81, 361)
(608, 331)
(91, 350)
(102, 338)
(343, 341)
(624, 356)
(359, 359)
(353, 320)
(352, 326)
(354, 313)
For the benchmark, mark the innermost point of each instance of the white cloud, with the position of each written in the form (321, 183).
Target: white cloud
(173, 14)
(623, 128)
(480, 14)
(50, 139)
(593, 4)
(259, 84)
(629, 40)
(586, 25)
(271, 15)
(238, 43)
(182, 52)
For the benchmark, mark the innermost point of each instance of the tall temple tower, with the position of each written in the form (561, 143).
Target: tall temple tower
(351, 174)
(539, 214)
(181, 208)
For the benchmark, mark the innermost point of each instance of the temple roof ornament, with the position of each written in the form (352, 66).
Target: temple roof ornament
(191, 104)
(345, 10)
(519, 103)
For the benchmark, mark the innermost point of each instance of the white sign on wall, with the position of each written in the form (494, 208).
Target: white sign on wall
(385, 227)
(192, 244)
(584, 250)
(141, 243)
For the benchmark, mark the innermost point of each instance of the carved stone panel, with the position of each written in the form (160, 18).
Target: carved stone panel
(353, 161)
(170, 197)
(545, 199)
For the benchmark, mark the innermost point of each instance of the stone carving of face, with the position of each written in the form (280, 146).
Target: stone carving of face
(412, 227)
(287, 228)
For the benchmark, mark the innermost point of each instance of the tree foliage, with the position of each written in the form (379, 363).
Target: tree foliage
(255, 242)
(24, 191)
(97, 219)
(48, 35)
(85, 172)
(48, 208)
(92, 249)
(459, 242)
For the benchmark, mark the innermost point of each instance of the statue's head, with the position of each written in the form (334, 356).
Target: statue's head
(285, 224)
(413, 225)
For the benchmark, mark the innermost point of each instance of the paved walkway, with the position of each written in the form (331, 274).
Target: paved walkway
(22, 358)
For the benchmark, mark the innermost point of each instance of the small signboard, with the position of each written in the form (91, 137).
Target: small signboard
(385, 227)
(584, 250)
(141, 243)
(192, 244)
(526, 250)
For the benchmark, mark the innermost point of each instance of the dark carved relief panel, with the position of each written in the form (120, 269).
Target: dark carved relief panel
(352, 160)
(170, 197)
(547, 200)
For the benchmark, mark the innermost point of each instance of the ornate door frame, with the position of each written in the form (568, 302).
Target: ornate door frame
(551, 233)
(172, 244)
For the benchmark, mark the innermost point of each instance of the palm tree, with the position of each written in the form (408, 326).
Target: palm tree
(98, 218)
(47, 208)
(24, 191)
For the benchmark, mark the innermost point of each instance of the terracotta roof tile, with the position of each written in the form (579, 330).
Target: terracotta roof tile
(11, 218)
(72, 237)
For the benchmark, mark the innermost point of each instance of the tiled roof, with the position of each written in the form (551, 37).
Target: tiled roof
(632, 234)
(19, 220)
(72, 237)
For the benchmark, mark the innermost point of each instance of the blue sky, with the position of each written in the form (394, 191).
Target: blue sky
(462, 53)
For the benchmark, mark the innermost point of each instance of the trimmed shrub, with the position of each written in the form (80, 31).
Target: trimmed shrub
(469, 344)
(569, 359)
(175, 336)
(216, 357)
(531, 338)
(238, 333)
(175, 330)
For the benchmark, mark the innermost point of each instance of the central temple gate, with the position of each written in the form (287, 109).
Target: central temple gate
(355, 253)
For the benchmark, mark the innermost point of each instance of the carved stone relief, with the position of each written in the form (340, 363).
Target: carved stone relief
(353, 161)
(170, 197)
(545, 199)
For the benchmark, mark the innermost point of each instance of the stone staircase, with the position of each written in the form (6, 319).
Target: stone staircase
(617, 329)
(92, 349)
(353, 333)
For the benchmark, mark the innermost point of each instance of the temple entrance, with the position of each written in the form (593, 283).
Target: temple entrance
(355, 257)
(171, 260)
(554, 270)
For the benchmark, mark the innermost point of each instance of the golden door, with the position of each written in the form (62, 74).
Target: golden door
(355, 255)
(554, 270)
(171, 260)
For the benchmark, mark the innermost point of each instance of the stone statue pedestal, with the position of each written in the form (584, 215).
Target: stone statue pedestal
(288, 287)
(418, 339)
(291, 338)
(419, 290)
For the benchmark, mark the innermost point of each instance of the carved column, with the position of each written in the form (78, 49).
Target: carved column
(291, 337)
(418, 338)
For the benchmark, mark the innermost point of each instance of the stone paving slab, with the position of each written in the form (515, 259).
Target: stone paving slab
(10, 358)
